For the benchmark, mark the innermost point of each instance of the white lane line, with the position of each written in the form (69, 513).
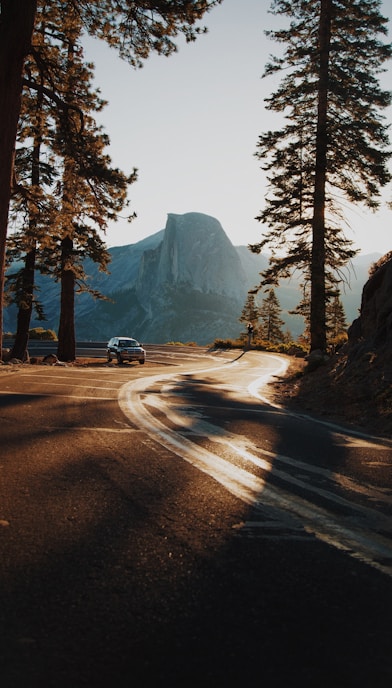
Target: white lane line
(261, 381)
(77, 428)
(241, 446)
(75, 397)
(236, 480)
(367, 546)
(78, 385)
(370, 440)
(244, 447)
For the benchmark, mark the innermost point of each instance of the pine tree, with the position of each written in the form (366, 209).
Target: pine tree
(303, 309)
(336, 321)
(23, 281)
(88, 191)
(250, 313)
(334, 146)
(134, 28)
(16, 28)
(32, 202)
(91, 191)
(271, 323)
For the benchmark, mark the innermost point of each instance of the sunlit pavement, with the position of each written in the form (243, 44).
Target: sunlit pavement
(125, 565)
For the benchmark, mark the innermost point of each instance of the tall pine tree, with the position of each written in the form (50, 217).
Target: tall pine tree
(36, 173)
(336, 320)
(271, 322)
(334, 146)
(91, 192)
(250, 313)
(85, 190)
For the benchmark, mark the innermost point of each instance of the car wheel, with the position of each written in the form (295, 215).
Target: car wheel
(141, 362)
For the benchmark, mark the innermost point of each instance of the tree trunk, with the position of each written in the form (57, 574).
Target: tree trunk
(19, 349)
(16, 28)
(26, 299)
(66, 350)
(318, 330)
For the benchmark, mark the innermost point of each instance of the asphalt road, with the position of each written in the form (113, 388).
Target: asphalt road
(164, 525)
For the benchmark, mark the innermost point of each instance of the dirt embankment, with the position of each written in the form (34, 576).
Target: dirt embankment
(355, 385)
(356, 392)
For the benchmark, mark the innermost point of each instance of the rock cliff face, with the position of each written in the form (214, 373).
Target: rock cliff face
(360, 379)
(191, 286)
(373, 328)
(365, 372)
(195, 252)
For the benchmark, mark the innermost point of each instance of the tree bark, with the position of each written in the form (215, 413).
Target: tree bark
(19, 349)
(318, 330)
(26, 301)
(16, 28)
(66, 349)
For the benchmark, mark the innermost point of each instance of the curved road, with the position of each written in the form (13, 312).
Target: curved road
(315, 471)
(166, 525)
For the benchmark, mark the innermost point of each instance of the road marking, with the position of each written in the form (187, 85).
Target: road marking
(272, 530)
(255, 386)
(245, 448)
(58, 396)
(81, 428)
(359, 542)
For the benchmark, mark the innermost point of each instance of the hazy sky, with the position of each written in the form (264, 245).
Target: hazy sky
(190, 124)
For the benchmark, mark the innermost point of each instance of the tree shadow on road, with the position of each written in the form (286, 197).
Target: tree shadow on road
(124, 565)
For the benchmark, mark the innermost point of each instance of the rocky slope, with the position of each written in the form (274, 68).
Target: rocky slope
(355, 385)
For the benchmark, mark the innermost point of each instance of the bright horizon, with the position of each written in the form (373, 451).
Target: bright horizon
(190, 125)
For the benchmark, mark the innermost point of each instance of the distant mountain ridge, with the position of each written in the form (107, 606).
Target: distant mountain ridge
(186, 282)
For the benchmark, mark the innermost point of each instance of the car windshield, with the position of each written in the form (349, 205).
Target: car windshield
(128, 342)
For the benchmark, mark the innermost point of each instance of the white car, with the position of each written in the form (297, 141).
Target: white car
(125, 349)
